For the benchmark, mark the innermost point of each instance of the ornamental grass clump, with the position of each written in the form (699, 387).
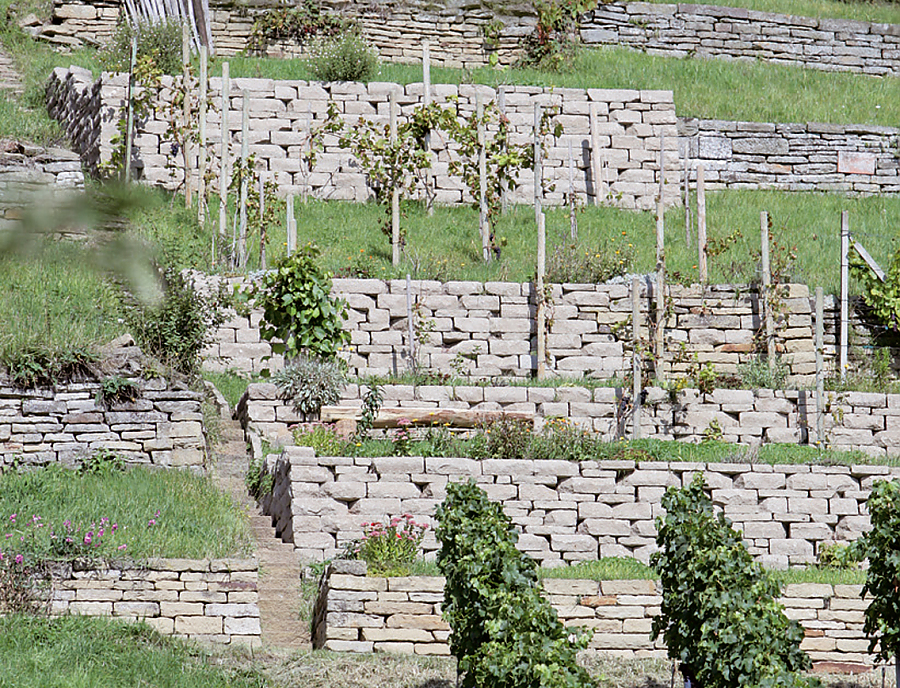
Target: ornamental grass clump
(720, 617)
(505, 633)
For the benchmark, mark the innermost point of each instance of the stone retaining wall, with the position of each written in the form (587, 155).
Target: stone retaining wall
(215, 601)
(488, 329)
(355, 613)
(162, 427)
(794, 157)
(572, 511)
(740, 34)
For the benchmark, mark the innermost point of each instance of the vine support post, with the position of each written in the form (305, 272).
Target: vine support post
(291, 226)
(541, 298)
(636, 358)
(820, 368)
(483, 226)
(304, 165)
(245, 153)
(845, 292)
(659, 338)
(687, 196)
(501, 106)
(410, 328)
(262, 221)
(225, 152)
(662, 166)
(701, 225)
(596, 159)
(129, 119)
(767, 296)
(395, 192)
(426, 99)
(186, 114)
(573, 215)
(538, 165)
(201, 153)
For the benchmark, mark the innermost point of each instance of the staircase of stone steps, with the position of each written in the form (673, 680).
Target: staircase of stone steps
(10, 80)
(279, 575)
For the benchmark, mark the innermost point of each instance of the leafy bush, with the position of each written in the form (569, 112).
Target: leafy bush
(345, 57)
(882, 547)
(563, 439)
(117, 389)
(310, 383)
(102, 462)
(177, 328)
(552, 44)
(37, 365)
(575, 264)
(719, 615)
(159, 43)
(299, 314)
(299, 23)
(505, 634)
(390, 549)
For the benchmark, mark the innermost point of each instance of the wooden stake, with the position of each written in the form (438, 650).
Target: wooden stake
(426, 99)
(483, 227)
(687, 202)
(501, 106)
(767, 289)
(701, 225)
(129, 120)
(662, 168)
(659, 339)
(820, 368)
(573, 215)
(538, 165)
(201, 153)
(291, 226)
(186, 114)
(541, 306)
(262, 220)
(395, 192)
(225, 152)
(410, 329)
(596, 158)
(845, 292)
(636, 357)
(307, 172)
(245, 153)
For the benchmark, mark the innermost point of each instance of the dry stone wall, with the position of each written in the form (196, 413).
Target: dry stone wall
(162, 427)
(572, 511)
(214, 601)
(731, 33)
(794, 157)
(355, 613)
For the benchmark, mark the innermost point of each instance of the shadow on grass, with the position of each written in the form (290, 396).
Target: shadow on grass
(436, 683)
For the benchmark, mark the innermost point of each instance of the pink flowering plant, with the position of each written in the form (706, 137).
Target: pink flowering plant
(390, 549)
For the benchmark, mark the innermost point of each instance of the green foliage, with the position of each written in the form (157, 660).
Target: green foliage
(115, 389)
(758, 374)
(719, 614)
(299, 23)
(504, 438)
(881, 546)
(372, 401)
(551, 45)
(390, 549)
(345, 57)
(259, 481)
(882, 297)
(35, 365)
(102, 462)
(23, 586)
(505, 634)
(177, 328)
(836, 555)
(299, 314)
(310, 383)
(323, 438)
(576, 264)
(159, 44)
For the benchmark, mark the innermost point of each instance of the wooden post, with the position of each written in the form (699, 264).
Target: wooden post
(541, 306)
(766, 289)
(225, 152)
(701, 225)
(596, 159)
(662, 167)
(501, 106)
(395, 192)
(201, 153)
(820, 368)
(186, 114)
(426, 99)
(659, 338)
(483, 228)
(687, 200)
(262, 221)
(291, 226)
(845, 292)
(573, 216)
(538, 165)
(245, 153)
(307, 172)
(129, 120)
(410, 328)
(636, 357)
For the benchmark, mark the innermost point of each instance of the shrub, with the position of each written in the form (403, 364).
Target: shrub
(390, 549)
(177, 328)
(159, 43)
(563, 439)
(259, 481)
(719, 615)
(310, 383)
(299, 313)
(345, 57)
(505, 634)
(575, 264)
(299, 23)
(505, 438)
(38, 365)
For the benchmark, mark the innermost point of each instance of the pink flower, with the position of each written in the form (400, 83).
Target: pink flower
(12, 518)
(151, 522)
(121, 547)
(19, 558)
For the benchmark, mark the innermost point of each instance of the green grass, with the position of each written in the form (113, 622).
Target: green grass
(755, 91)
(881, 12)
(80, 652)
(195, 519)
(232, 385)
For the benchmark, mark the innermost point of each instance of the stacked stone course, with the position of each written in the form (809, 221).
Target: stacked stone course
(162, 427)
(571, 511)
(356, 613)
(215, 601)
